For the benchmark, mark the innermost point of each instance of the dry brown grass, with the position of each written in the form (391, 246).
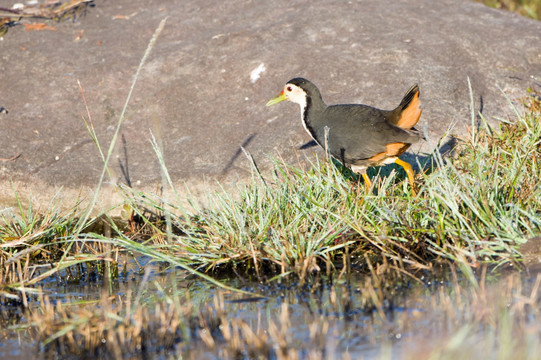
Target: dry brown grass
(442, 318)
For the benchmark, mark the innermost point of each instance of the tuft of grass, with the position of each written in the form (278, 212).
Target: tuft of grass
(477, 206)
(31, 241)
(445, 318)
(529, 8)
(115, 329)
(474, 207)
(29, 238)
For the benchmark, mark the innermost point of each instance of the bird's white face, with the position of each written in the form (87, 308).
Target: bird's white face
(292, 93)
(295, 94)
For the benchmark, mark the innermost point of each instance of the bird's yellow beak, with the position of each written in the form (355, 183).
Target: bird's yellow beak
(275, 100)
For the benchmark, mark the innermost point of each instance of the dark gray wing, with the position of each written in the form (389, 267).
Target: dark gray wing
(359, 132)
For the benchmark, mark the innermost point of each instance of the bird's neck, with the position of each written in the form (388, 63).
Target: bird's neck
(310, 108)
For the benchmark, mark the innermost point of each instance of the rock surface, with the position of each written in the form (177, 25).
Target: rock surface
(203, 90)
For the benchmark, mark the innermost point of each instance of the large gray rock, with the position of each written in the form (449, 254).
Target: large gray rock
(197, 95)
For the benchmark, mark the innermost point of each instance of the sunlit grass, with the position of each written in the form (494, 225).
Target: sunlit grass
(474, 207)
(300, 224)
(477, 206)
(530, 8)
(302, 220)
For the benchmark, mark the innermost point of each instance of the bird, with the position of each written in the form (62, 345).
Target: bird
(359, 136)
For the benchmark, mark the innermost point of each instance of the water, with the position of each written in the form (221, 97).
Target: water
(364, 317)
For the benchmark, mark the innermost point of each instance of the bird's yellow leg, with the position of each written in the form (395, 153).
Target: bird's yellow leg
(409, 172)
(367, 183)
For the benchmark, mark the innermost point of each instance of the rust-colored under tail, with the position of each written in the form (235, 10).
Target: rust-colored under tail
(391, 150)
(407, 114)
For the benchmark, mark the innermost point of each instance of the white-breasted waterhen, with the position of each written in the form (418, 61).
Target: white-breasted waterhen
(359, 136)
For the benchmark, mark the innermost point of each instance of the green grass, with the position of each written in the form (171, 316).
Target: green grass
(530, 8)
(474, 207)
(33, 240)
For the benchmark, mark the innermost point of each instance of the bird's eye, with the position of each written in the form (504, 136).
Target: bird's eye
(289, 88)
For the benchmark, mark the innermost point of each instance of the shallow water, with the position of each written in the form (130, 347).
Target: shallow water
(400, 318)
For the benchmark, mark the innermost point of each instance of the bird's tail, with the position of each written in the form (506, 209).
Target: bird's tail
(409, 111)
